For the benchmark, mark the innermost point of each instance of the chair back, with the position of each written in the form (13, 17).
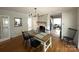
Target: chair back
(34, 42)
(25, 35)
(71, 32)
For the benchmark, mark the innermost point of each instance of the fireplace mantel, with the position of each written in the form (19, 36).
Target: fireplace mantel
(41, 22)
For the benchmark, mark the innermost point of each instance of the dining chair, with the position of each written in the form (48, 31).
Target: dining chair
(35, 45)
(26, 38)
(71, 35)
(31, 42)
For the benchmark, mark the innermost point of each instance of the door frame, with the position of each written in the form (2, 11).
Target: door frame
(9, 28)
(61, 26)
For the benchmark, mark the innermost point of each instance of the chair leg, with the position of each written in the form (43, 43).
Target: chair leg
(25, 43)
(66, 43)
(37, 49)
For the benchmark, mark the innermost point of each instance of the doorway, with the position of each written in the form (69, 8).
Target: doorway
(56, 26)
(4, 28)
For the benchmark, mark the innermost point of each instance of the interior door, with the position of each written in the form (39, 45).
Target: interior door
(5, 28)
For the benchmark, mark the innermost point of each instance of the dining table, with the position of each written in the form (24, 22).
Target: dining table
(44, 38)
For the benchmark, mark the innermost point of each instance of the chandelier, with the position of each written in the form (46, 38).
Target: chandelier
(34, 14)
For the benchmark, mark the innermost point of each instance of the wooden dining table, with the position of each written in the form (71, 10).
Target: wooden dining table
(44, 38)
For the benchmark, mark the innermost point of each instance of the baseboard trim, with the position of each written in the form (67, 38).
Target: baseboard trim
(15, 36)
(1, 40)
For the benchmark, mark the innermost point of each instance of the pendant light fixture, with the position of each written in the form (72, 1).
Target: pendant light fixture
(34, 14)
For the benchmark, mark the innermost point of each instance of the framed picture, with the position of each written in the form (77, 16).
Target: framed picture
(17, 22)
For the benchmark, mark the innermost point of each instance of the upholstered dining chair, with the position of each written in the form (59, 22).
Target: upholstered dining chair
(31, 42)
(35, 45)
(70, 36)
(25, 38)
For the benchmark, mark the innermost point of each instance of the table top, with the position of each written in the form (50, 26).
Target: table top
(42, 36)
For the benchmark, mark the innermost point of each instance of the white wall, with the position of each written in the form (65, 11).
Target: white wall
(0, 28)
(15, 31)
(78, 25)
(34, 23)
(69, 20)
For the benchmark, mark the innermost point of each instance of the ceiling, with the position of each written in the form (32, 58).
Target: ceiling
(40, 10)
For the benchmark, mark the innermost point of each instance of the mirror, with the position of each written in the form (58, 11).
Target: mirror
(17, 22)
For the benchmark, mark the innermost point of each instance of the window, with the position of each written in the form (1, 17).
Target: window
(29, 23)
(57, 21)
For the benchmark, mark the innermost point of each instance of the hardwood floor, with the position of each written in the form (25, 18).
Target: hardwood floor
(16, 45)
(61, 46)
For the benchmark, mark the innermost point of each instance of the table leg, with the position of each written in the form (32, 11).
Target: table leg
(44, 47)
(51, 42)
